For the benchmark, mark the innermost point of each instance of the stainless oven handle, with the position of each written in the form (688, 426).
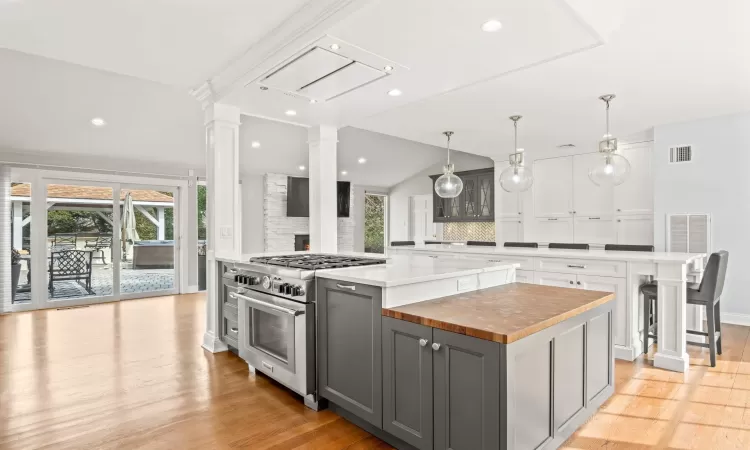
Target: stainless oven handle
(291, 312)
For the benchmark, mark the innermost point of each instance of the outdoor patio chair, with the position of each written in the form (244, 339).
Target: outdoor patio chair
(99, 244)
(70, 265)
(64, 241)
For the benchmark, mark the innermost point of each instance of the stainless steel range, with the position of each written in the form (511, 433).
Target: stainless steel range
(274, 301)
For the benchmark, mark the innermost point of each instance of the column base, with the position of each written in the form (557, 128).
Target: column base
(672, 362)
(626, 353)
(213, 344)
(251, 368)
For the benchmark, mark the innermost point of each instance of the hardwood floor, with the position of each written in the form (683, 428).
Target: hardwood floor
(133, 375)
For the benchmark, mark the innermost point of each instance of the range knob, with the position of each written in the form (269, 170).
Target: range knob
(253, 280)
(298, 291)
(266, 282)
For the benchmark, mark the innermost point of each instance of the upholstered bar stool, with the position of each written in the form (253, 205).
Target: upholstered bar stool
(706, 294)
(482, 243)
(401, 243)
(522, 244)
(563, 245)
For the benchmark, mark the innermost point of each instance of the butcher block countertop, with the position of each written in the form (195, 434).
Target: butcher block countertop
(504, 313)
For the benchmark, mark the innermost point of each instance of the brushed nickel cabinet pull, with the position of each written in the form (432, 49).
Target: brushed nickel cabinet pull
(435, 346)
(351, 287)
(422, 342)
(576, 266)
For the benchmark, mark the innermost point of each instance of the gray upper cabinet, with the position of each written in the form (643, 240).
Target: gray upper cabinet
(349, 347)
(466, 392)
(476, 202)
(407, 382)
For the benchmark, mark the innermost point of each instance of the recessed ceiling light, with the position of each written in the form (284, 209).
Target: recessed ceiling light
(388, 68)
(492, 25)
(98, 122)
(301, 167)
(255, 144)
(291, 112)
(344, 172)
(362, 160)
(335, 47)
(312, 100)
(394, 92)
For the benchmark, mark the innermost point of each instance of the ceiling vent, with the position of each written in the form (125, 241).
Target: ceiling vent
(681, 154)
(321, 75)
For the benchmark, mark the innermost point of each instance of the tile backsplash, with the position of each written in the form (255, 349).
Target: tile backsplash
(469, 231)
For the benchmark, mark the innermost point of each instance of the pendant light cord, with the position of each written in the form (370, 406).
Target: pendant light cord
(607, 102)
(449, 149)
(515, 136)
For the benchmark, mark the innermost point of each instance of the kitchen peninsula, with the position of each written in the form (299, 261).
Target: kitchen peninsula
(618, 272)
(516, 366)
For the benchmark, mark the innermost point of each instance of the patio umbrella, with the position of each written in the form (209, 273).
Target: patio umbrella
(129, 233)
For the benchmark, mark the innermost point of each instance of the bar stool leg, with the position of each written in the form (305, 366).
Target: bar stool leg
(717, 315)
(646, 324)
(711, 333)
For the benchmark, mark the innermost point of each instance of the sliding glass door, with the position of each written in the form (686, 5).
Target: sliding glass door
(148, 248)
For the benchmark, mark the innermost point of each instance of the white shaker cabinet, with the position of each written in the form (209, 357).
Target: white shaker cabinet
(635, 230)
(567, 280)
(508, 230)
(594, 230)
(618, 287)
(553, 178)
(635, 196)
(554, 229)
(588, 198)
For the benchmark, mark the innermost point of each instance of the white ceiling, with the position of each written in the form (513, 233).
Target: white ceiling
(667, 61)
(47, 105)
(176, 42)
(284, 148)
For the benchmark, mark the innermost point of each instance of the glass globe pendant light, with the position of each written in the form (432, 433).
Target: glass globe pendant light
(449, 185)
(611, 168)
(516, 177)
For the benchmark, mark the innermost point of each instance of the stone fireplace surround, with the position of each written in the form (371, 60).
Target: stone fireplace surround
(279, 231)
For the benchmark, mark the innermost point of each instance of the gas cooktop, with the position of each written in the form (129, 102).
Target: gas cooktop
(316, 261)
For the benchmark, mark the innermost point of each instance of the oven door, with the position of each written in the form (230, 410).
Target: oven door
(270, 328)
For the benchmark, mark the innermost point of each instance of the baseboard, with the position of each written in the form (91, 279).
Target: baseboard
(736, 318)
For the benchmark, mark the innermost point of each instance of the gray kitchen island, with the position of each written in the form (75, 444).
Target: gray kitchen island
(517, 366)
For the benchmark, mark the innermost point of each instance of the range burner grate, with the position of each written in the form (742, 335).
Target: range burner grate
(316, 261)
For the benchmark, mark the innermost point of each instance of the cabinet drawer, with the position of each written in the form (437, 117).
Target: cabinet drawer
(582, 266)
(526, 263)
(230, 312)
(230, 332)
(524, 276)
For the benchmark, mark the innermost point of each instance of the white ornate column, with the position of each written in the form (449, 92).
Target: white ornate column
(672, 299)
(5, 240)
(224, 212)
(323, 140)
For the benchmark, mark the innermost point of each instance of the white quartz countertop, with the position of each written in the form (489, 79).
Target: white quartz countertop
(411, 269)
(555, 253)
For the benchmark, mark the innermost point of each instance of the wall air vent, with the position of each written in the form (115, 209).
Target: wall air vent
(680, 154)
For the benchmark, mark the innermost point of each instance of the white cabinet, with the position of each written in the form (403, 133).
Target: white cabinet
(423, 228)
(524, 276)
(594, 230)
(554, 229)
(567, 280)
(635, 196)
(598, 215)
(618, 287)
(588, 198)
(508, 230)
(553, 178)
(635, 230)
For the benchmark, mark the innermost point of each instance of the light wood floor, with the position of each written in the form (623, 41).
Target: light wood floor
(133, 375)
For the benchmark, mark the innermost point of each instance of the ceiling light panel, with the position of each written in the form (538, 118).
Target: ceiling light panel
(350, 77)
(311, 66)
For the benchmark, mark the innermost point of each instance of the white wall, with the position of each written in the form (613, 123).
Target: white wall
(252, 213)
(419, 184)
(715, 182)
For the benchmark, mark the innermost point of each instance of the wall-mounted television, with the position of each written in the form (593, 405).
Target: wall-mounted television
(298, 197)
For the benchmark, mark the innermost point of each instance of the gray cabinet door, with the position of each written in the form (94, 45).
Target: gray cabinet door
(466, 392)
(486, 197)
(469, 204)
(349, 347)
(407, 382)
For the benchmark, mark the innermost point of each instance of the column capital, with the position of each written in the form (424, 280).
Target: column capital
(221, 112)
